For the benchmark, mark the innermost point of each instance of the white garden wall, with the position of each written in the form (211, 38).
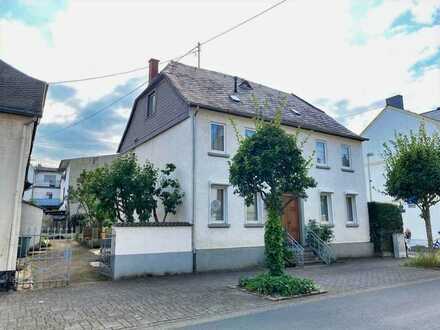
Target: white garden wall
(151, 249)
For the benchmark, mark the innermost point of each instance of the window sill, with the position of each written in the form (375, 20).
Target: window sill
(323, 167)
(254, 225)
(352, 225)
(345, 169)
(218, 154)
(219, 225)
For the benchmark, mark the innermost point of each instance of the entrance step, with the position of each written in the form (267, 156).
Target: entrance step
(310, 257)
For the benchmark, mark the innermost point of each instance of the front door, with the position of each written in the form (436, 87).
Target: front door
(291, 216)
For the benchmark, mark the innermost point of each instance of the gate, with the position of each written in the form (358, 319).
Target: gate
(44, 260)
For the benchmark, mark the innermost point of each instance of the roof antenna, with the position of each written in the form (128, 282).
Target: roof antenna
(235, 84)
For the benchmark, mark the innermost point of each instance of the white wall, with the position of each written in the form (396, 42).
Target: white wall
(15, 139)
(216, 170)
(41, 193)
(31, 222)
(150, 240)
(173, 146)
(383, 129)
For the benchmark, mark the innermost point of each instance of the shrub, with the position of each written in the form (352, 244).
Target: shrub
(283, 285)
(425, 260)
(324, 232)
(385, 219)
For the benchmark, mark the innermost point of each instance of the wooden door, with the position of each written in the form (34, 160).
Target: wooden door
(291, 216)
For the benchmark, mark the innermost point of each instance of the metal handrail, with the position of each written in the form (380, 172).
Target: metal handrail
(296, 248)
(321, 249)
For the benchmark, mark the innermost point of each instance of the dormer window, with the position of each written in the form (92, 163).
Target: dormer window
(245, 85)
(151, 104)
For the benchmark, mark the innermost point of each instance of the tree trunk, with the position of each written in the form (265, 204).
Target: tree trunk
(156, 218)
(427, 217)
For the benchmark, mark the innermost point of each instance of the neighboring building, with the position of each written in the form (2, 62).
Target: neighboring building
(45, 191)
(21, 106)
(184, 117)
(392, 120)
(71, 169)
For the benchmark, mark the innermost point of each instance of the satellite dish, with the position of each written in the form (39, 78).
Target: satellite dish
(234, 97)
(216, 205)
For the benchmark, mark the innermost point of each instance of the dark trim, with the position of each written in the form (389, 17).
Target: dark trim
(154, 224)
(323, 167)
(350, 170)
(351, 225)
(219, 225)
(218, 154)
(254, 225)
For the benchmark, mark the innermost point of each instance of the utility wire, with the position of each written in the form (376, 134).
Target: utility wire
(355, 114)
(101, 110)
(243, 22)
(178, 58)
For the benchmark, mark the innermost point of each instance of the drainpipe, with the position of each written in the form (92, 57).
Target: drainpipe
(369, 155)
(193, 246)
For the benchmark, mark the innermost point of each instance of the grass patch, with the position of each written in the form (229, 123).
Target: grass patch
(425, 260)
(283, 285)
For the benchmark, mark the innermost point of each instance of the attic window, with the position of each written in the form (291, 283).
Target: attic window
(295, 112)
(245, 85)
(234, 97)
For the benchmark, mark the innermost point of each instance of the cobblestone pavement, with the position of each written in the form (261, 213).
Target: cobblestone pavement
(159, 301)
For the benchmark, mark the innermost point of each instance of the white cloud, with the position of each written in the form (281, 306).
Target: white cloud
(58, 113)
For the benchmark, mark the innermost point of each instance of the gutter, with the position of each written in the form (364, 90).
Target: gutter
(193, 246)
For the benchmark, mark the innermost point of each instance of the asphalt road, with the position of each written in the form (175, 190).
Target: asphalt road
(413, 306)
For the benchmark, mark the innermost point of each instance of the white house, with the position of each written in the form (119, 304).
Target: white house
(71, 170)
(392, 120)
(184, 117)
(45, 190)
(21, 106)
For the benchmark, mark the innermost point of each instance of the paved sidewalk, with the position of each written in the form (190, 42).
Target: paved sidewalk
(159, 301)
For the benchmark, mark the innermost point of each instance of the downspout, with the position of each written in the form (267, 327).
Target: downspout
(193, 245)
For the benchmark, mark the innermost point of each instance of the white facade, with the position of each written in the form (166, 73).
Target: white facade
(15, 142)
(381, 130)
(211, 170)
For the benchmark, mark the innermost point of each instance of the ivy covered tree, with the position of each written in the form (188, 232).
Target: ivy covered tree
(270, 163)
(412, 173)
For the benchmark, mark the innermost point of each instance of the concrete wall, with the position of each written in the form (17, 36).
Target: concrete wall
(15, 140)
(383, 129)
(31, 222)
(153, 250)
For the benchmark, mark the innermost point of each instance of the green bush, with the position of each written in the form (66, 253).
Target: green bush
(385, 220)
(283, 285)
(324, 232)
(425, 260)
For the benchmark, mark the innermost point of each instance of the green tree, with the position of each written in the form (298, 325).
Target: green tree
(270, 163)
(412, 173)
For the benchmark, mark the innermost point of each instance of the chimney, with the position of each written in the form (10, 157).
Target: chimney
(395, 101)
(154, 69)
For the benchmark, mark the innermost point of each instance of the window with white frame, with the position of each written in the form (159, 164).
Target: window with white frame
(249, 132)
(252, 211)
(218, 202)
(49, 179)
(321, 153)
(346, 156)
(151, 104)
(326, 208)
(217, 137)
(350, 201)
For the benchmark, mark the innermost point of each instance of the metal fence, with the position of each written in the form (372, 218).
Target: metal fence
(44, 259)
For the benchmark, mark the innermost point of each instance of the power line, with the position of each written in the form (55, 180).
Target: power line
(101, 110)
(243, 22)
(178, 58)
(355, 114)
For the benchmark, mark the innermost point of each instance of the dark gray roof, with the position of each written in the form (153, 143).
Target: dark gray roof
(433, 114)
(212, 90)
(19, 93)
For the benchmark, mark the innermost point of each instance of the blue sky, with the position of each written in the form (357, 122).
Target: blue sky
(346, 58)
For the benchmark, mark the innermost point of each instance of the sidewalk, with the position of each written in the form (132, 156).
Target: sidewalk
(159, 301)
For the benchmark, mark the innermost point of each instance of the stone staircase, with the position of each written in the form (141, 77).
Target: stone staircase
(310, 258)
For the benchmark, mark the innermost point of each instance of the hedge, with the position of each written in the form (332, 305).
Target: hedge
(385, 220)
